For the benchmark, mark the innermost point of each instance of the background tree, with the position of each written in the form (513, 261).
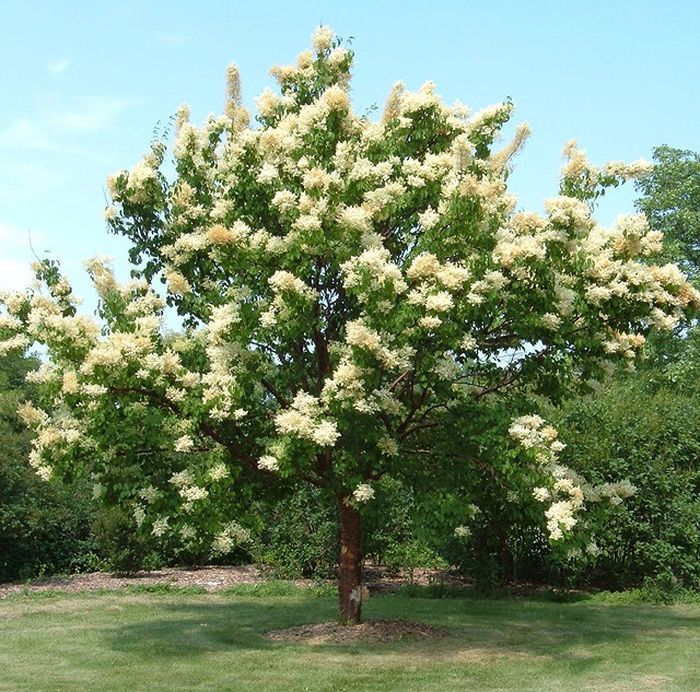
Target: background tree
(345, 283)
(671, 202)
(670, 199)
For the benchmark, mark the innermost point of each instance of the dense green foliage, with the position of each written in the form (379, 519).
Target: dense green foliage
(300, 536)
(671, 201)
(345, 285)
(652, 438)
(44, 526)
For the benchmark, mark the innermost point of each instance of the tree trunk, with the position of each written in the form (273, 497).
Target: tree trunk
(350, 565)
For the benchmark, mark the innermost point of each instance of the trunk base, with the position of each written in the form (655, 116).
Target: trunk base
(350, 589)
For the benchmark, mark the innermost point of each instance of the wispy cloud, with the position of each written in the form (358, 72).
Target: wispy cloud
(56, 118)
(16, 273)
(166, 38)
(58, 66)
(21, 180)
(15, 237)
(86, 114)
(23, 133)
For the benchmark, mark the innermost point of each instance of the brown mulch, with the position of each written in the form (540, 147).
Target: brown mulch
(380, 580)
(368, 631)
(212, 579)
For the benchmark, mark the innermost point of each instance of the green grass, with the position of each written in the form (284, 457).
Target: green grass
(177, 640)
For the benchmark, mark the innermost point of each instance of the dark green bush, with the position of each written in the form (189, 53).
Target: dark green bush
(301, 536)
(123, 548)
(652, 438)
(638, 428)
(44, 525)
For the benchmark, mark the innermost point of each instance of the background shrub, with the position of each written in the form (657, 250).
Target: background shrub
(44, 526)
(300, 536)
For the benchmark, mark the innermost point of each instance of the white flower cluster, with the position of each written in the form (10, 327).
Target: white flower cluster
(662, 290)
(184, 444)
(364, 492)
(284, 284)
(527, 239)
(426, 267)
(615, 493)
(191, 494)
(568, 491)
(346, 386)
(149, 494)
(14, 342)
(139, 514)
(304, 418)
(358, 334)
(187, 533)
(434, 285)
(30, 415)
(578, 169)
(371, 271)
(219, 382)
(346, 382)
(176, 282)
(532, 433)
(160, 526)
(625, 344)
(219, 472)
(54, 436)
(46, 323)
(186, 246)
(569, 213)
(188, 490)
(268, 463)
(228, 538)
(388, 446)
(355, 218)
(137, 181)
(115, 350)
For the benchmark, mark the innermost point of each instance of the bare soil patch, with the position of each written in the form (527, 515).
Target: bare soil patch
(215, 578)
(379, 579)
(368, 631)
(212, 579)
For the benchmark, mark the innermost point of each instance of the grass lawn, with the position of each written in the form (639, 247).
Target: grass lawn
(165, 640)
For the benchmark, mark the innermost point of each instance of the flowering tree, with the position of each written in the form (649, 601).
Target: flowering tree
(342, 281)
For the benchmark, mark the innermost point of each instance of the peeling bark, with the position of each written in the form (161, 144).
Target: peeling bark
(350, 564)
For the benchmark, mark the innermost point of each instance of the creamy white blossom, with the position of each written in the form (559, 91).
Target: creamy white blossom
(268, 463)
(363, 493)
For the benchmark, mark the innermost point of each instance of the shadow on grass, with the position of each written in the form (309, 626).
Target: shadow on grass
(189, 629)
(579, 634)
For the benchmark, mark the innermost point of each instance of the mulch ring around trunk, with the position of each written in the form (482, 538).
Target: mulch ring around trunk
(367, 631)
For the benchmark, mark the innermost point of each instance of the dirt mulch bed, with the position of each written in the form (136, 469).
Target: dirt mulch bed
(368, 631)
(380, 580)
(212, 579)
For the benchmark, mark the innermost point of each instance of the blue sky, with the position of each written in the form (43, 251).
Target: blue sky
(84, 85)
